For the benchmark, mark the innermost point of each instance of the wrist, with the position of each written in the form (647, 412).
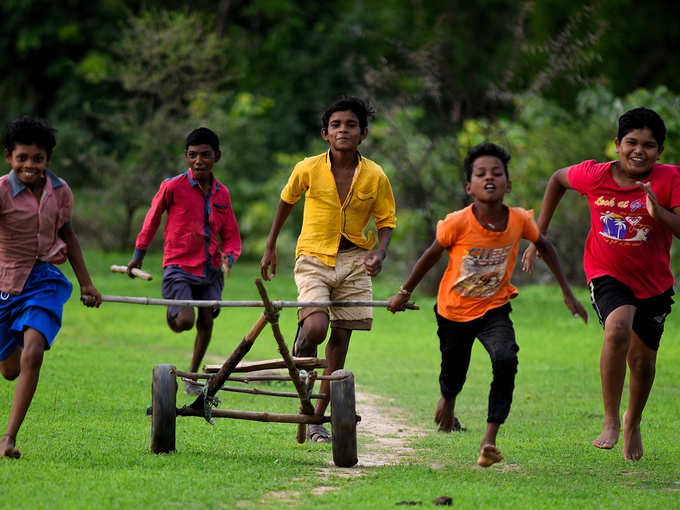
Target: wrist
(404, 292)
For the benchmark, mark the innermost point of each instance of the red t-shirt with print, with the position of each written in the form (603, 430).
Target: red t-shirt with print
(624, 241)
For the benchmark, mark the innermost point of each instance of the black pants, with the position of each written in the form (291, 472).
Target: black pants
(494, 329)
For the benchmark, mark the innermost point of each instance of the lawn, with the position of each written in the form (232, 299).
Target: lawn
(85, 442)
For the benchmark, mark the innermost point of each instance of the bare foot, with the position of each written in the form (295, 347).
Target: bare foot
(443, 415)
(7, 447)
(489, 455)
(609, 436)
(632, 439)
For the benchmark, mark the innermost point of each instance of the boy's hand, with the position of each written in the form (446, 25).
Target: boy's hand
(529, 257)
(398, 302)
(575, 307)
(90, 296)
(373, 262)
(268, 259)
(651, 203)
(132, 264)
(226, 267)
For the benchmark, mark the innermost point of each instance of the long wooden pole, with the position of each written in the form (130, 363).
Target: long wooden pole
(256, 416)
(236, 304)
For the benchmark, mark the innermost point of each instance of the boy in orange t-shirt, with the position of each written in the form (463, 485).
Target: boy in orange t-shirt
(474, 293)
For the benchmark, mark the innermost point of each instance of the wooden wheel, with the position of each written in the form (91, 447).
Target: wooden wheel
(344, 420)
(163, 409)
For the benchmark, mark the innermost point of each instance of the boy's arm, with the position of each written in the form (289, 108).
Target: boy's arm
(88, 292)
(151, 222)
(428, 259)
(558, 184)
(550, 257)
(231, 242)
(269, 258)
(670, 219)
(373, 259)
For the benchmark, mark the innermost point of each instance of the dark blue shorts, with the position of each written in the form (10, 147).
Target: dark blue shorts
(178, 284)
(607, 294)
(39, 306)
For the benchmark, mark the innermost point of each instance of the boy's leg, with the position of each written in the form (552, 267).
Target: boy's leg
(497, 334)
(312, 332)
(642, 364)
(618, 328)
(455, 344)
(30, 362)
(336, 353)
(204, 327)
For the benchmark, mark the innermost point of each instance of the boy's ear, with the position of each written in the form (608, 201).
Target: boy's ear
(218, 155)
(8, 157)
(324, 134)
(467, 187)
(508, 189)
(617, 142)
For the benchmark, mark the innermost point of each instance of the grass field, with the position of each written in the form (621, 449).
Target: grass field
(85, 442)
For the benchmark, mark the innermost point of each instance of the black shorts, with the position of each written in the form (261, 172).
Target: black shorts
(607, 294)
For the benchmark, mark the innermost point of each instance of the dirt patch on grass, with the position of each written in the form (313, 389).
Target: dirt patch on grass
(383, 434)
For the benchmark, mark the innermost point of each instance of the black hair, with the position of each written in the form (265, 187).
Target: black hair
(485, 149)
(359, 107)
(640, 118)
(201, 136)
(29, 131)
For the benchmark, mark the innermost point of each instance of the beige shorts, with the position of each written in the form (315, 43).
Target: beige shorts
(347, 281)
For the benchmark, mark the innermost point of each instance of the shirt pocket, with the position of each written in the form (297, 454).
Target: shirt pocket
(363, 202)
(219, 215)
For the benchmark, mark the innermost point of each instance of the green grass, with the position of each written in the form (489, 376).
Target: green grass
(86, 438)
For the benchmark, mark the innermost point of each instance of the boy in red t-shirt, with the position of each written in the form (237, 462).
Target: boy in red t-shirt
(634, 207)
(474, 293)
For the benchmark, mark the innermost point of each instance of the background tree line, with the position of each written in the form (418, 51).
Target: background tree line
(123, 81)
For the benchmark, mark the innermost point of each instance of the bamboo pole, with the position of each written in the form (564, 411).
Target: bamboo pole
(257, 416)
(251, 304)
(256, 391)
(135, 272)
(252, 378)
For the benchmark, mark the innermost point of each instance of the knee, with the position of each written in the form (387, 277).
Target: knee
(617, 332)
(10, 372)
(183, 321)
(314, 332)
(505, 367)
(642, 366)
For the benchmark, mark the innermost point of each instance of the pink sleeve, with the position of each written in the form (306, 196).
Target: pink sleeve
(580, 176)
(66, 206)
(675, 189)
(231, 237)
(153, 217)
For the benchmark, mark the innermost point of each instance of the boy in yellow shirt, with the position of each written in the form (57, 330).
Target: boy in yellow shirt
(474, 293)
(334, 258)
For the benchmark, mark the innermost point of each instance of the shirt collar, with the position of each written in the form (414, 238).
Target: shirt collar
(328, 158)
(18, 186)
(194, 181)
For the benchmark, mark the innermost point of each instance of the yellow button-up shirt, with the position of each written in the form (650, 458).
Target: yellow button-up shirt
(325, 219)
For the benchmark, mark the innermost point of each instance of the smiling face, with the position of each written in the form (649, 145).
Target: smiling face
(29, 163)
(201, 159)
(638, 150)
(488, 182)
(344, 131)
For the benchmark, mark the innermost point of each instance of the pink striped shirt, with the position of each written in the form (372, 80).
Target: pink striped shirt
(29, 229)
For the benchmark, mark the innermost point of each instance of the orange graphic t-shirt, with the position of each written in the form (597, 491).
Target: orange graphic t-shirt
(481, 262)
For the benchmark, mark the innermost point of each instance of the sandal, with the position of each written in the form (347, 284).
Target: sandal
(455, 426)
(317, 433)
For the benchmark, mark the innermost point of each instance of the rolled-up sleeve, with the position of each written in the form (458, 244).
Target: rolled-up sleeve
(385, 208)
